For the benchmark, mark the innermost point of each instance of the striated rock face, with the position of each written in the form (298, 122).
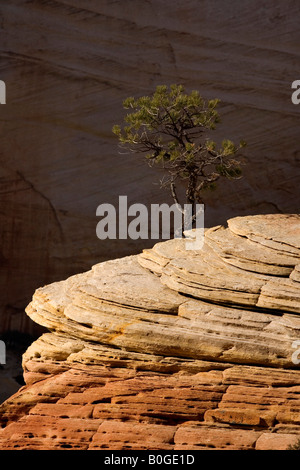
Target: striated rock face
(69, 64)
(169, 349)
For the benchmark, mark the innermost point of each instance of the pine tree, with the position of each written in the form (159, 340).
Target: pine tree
(171, 128)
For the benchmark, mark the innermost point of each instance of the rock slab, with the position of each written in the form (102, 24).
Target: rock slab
(169, 349)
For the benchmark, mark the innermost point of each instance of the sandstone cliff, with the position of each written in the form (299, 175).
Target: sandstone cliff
(69, 64)
(169, 349)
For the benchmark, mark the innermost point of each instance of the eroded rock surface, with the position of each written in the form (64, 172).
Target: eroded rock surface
(169, 349)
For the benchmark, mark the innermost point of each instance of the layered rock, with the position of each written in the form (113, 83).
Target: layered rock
(169, 349)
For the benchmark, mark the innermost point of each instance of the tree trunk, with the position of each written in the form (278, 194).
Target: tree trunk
(190, 195)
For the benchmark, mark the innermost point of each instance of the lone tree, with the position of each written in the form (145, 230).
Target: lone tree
(171, 128)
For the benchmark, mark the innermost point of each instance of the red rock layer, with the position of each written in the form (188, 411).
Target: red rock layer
(240, 407)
